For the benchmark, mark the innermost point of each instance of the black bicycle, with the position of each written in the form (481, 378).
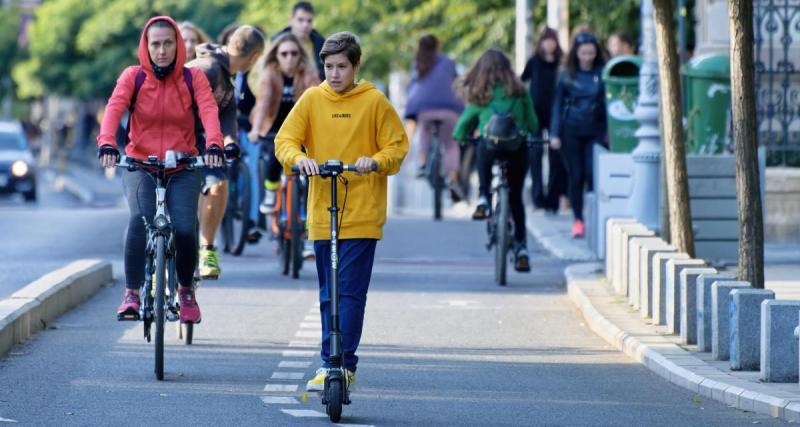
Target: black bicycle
(159, 302)
(434, 168)
(336, 392)
(499, 226)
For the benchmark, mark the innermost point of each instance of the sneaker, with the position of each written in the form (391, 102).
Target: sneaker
(267, 206)
(190, 311)
(318, 382)
(456, 194)
(421, 172)
(481, 210)
(308, 251)
(253, 235)
(129, 309)
(521, 258)
(209, 263)
(578, 229)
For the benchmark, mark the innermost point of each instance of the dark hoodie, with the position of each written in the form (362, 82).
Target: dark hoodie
(216, 65)
(163, 118)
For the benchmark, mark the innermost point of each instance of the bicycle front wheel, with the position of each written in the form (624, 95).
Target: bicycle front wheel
(503, 235)
(161, 268)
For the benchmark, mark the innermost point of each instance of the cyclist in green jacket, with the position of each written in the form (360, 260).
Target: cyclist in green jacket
(491, 87)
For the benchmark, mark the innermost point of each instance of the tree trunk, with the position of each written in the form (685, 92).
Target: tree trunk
(745, 146)
(680, 218)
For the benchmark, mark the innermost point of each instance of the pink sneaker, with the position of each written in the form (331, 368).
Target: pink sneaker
(190, 311)
(578, 229)
(129, 309)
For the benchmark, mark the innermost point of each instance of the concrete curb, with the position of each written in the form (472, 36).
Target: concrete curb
(606, 316)
(31, 308)
(556, 241)
(71, 186)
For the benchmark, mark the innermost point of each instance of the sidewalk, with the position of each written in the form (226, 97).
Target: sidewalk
(607, 315)
(92, 186)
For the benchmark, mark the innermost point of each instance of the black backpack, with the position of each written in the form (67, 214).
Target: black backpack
(501, 132)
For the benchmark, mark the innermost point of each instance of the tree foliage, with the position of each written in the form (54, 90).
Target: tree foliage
(78, 47)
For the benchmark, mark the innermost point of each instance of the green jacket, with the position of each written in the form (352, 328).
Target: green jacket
(479, 115)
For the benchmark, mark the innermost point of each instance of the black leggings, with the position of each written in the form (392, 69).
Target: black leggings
(576, 150)
(183, 189)
(274, 167)
(517, 168)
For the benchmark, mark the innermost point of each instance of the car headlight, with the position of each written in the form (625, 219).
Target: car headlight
(19, 168)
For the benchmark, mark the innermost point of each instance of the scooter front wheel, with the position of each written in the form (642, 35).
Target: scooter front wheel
(335, 399)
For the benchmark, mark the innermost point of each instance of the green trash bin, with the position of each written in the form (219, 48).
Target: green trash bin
(621, 78)
(707, 84)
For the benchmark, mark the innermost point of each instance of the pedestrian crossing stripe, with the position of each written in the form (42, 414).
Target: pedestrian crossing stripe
(304, 413)
(281, 388)
(279, 400)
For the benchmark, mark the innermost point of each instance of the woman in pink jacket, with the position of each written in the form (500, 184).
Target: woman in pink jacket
(160, 94)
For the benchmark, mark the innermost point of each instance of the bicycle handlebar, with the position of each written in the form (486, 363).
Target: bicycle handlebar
(172, 160)
(334, 167)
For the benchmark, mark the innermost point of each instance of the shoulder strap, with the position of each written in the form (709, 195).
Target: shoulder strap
(138, 82)
(187, 77)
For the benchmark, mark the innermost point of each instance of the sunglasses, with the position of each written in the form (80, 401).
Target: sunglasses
(289, 53)
(585, 38)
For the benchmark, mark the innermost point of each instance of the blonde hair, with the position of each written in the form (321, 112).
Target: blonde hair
(245, 41)
(202, 37)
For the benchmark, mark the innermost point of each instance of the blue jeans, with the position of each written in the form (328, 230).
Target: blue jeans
(355, 269)
(256, 187)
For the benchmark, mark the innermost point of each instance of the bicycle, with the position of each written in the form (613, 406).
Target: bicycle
(499, 228)
(336, 392)
(434, 168)
(159, 303)
(236, 221)
(291, 222)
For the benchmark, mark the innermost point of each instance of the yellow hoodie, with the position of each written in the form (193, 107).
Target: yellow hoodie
(333, 126)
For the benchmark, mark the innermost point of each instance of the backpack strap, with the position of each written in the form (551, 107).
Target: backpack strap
(138, 82)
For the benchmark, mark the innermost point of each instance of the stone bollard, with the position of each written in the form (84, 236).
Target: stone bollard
(635, 281)
(627, 232)
(688, 304)
(648, 275)
(660, 284)
(611, 225)
(615, 256)
(745, 327)
(673, 289)
(720, 319)
(779, 349)
(704, 282)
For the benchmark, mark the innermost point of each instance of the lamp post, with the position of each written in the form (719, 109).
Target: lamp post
(644, 201)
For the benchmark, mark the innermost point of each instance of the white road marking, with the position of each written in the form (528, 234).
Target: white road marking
(281, 388)
(303, 344)
(279, 400)
(354, 425)
(298, 353)
(310, 325)
(308, 334)
(293, 364)
(312, 318)
(304, 413)
(287, 375)
(461, 303)
(7, 420)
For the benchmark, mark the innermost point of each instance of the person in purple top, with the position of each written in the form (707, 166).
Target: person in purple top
(431, 98)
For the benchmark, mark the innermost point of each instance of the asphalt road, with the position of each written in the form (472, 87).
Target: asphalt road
(442, 345)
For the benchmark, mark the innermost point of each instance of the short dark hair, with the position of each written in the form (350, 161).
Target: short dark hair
(304, 6)
(344, 42)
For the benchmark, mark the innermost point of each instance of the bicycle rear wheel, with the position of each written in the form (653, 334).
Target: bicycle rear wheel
(161, 266)
(503, 236)
(296, 224)
(238, 211)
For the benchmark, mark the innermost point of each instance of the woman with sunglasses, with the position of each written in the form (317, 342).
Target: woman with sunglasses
(579, 118)
(285, 74)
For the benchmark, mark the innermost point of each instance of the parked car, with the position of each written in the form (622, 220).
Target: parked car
(17, 166)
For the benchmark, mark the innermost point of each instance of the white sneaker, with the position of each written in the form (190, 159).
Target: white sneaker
(268, 205)
(308, 251)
